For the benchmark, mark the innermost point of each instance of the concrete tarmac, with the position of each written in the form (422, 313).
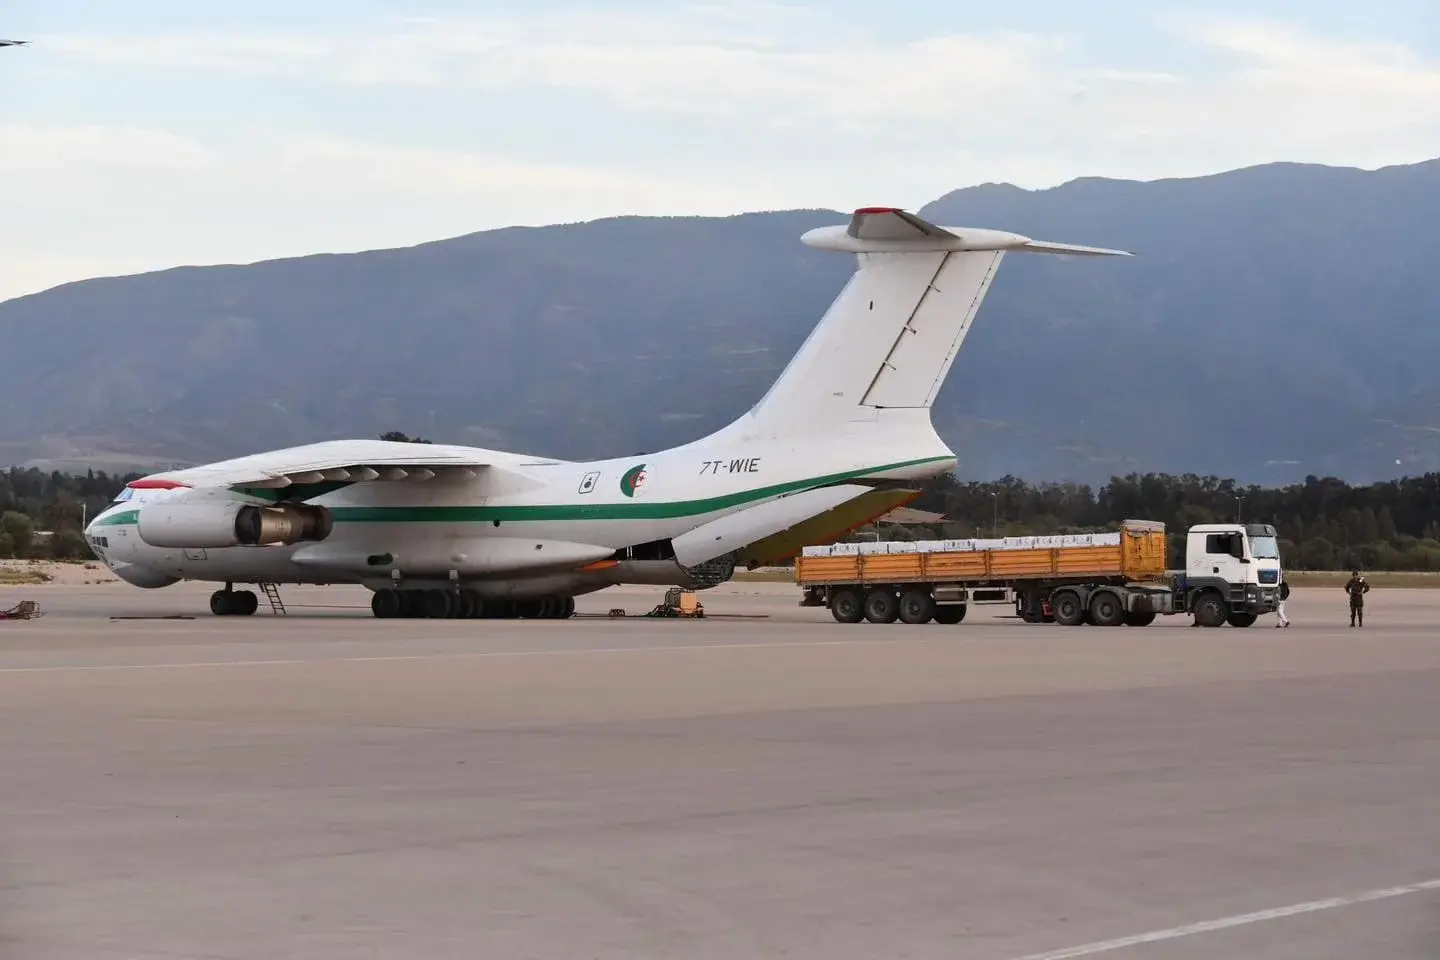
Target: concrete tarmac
(764, 783)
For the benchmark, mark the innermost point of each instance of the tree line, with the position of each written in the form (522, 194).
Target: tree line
(1324, 523)
(42, 514)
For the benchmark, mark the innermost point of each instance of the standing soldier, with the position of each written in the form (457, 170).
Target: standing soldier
(1357, 587)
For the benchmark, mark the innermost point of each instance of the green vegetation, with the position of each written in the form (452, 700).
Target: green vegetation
(42, 514)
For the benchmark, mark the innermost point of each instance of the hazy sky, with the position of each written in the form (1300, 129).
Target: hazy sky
(152, 133)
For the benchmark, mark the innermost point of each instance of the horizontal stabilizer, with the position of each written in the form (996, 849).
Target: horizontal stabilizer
(892, 230)
(1041, 246)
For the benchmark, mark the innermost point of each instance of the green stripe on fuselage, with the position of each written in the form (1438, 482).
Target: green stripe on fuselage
(119, 519)
(599, 511)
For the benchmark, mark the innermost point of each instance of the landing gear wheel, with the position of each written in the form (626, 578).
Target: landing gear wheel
(569, 608)
(846, 606)
(437, 604)
(1210, 610)
(1134, 619)
(1069, 611)
(385, 604)
(1241, 619)
(467, 605)
(916, 606)
(233, 603)
(882, 606)
(1106, 610)
(950, 613)
(528, 609)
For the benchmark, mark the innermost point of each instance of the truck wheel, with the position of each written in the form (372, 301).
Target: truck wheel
(1133, 619)
(1210, 610)
(1106, 610)
(881, 605)
(949, 613)
(846, 605)
(1069, 611)
(1241, 619)
(916, 606)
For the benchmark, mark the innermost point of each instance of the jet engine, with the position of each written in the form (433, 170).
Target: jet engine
(227, 523)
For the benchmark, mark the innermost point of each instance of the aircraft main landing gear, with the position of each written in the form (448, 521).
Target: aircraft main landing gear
(465, 605)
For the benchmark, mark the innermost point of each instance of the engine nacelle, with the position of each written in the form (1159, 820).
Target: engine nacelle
(213, 525)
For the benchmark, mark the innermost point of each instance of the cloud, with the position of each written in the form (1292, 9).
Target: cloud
(718, 59)
(54, 147)
(769, 64)
(342, 163)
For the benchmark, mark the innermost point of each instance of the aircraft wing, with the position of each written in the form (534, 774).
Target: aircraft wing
(344, 461)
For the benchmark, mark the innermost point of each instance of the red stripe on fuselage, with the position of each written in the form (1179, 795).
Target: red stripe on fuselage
(147, 483)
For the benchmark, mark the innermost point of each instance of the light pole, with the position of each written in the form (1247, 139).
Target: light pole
(995, 518)
(1239, 507)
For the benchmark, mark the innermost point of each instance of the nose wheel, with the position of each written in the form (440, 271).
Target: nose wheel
(233, 603)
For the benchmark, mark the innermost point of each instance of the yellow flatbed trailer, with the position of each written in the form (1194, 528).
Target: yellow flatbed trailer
(1110, 579)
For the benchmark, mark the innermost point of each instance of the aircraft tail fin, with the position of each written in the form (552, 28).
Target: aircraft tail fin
(891, 335)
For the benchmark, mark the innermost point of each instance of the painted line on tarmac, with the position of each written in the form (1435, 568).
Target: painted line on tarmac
(478, 655)
(1225, 923)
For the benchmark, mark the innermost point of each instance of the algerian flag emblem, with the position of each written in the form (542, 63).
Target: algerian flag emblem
(634, 479)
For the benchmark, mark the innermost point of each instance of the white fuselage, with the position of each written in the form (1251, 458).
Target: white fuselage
(425, 526)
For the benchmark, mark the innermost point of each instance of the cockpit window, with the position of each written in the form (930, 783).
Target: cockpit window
(124, 495)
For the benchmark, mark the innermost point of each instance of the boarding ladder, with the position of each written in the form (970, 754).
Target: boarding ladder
(272, 593)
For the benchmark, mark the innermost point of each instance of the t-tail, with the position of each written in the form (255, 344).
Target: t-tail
(889, 339)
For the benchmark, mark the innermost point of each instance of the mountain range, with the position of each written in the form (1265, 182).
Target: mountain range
(1276, 321)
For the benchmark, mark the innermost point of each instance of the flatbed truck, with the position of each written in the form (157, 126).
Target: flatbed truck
(1231, 575)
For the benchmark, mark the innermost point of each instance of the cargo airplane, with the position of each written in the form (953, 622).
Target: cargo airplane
(453, 531)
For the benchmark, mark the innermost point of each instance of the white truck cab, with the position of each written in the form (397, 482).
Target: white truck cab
(1232, 568)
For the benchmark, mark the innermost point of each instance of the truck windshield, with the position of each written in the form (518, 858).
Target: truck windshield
(1265, 548)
